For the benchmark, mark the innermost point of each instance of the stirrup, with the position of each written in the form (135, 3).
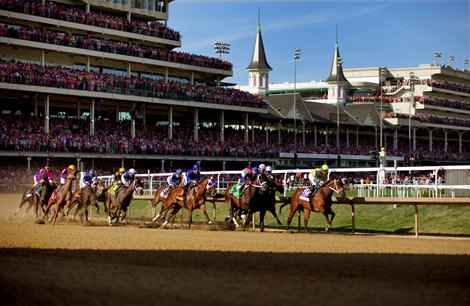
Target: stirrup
(179, 198)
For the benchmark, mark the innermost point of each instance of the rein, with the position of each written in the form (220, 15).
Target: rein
(335, 190)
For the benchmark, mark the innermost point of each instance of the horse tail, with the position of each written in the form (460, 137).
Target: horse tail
(285, 204)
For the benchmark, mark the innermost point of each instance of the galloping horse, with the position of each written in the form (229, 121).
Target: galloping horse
(30, 196)
(122, 200)
(251, 200)
(267, 202)
(158, 197)
(83, 197)
(321, 203)
(62, 196)
(195, 198)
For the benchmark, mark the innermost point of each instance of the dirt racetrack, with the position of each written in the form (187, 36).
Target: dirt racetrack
(74, 264)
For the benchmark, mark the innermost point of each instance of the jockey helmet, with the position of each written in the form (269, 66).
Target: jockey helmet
(48, 167)
(179, 171)
(255, 170)
(269, 169)
(91, 171)
(72, 167)
(325, 167)
(262, 167)
(196, 167)
(132, 171)
(122, 169)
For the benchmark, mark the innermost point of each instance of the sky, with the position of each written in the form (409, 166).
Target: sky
(371, 33)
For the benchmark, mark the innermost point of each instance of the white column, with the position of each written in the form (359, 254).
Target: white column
(253, 130)
(395, 139)
(347, 137)
(414, 139)
(315, 135)
(170, 123)
(196, 124)
(460, 142)
(266, 129)
(133, 128)
(303, 133)
(326, 136)
(246, 128)
(222, 124)
(279, 132)
(46, 113)
(445, 141)
(357, 138)
(430, 140)
(92, 117)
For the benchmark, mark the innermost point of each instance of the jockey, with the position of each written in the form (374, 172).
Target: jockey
(64, 173)
(192, 177)
(262, 168)
(90, 178)
(45, 174)
(247, 174)
(173, 181)
(318, 177)
(117, 179)
(268, 173)
(128, 177)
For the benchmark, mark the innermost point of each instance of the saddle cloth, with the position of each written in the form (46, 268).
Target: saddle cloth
(306, 195)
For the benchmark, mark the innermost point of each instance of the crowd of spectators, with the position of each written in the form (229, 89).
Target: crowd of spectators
(110, 46)
(52, 10)
(24, 133)
(68, 78)
(424, 118)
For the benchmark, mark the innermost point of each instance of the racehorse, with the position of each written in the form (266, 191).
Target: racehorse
(158, 197)
(63, 195)
(255, 197)
(122, 200)
(83, 197)
(195, 198)
(30, 196)
(321, 202)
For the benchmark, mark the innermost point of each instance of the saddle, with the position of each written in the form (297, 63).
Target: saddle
(235, 190)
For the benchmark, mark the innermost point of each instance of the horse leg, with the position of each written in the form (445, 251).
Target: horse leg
(24, 199)
(172, 215)
(77, 210)
(306, 217)
(190, 217)
(328, 220)
(204, 211)
(272, 210)
(262, 214)
(293, 209)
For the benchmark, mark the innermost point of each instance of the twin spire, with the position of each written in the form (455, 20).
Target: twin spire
(258, 59)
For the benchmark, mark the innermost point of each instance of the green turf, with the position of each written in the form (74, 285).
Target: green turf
(433, 220)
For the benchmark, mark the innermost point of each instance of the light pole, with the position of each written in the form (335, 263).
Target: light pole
(221, 48)
(412, 88)
(337, 113)
(465, 63)
(381, 77)
(451, 59)
(437, 55)
(296, 57)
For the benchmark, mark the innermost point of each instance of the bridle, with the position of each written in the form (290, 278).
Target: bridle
(336, 189)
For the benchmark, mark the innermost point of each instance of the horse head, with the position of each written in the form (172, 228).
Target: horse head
(262, 181)
(278, 185)
(138, 187)
(337, 186)
(211, 186)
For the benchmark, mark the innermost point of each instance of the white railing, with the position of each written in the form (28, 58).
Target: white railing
(225, 178)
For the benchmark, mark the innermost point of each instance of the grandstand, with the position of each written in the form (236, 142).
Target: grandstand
(103, 83)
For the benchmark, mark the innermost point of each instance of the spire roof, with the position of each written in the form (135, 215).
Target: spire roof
(258, 59)
(336, 74)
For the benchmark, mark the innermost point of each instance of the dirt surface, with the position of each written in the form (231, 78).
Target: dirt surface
(94, 264)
